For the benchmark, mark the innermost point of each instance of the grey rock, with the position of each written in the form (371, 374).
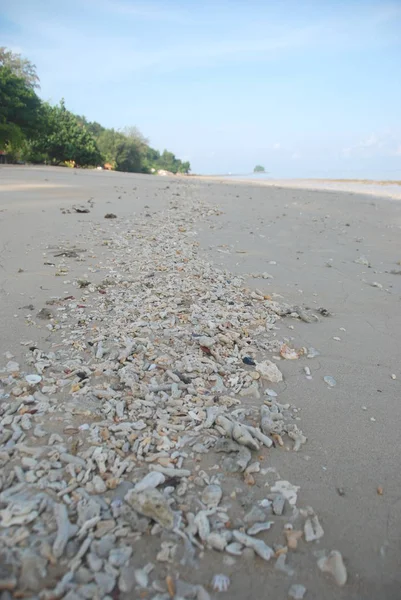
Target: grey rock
(297, 591)
(105, 582)
(89, 591)
(127, 579)
(118, 557)
(278, 504)
(103, 547)
(95, 563)
(258, 527)
(211, 495)
(83, 576)
(151, 503)
(33, 571)
(255, 515)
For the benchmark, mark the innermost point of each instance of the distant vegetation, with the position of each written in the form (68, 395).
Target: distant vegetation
(35, 131)
(259, 169)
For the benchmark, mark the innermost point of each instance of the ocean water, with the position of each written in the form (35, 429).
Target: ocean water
(393, 175)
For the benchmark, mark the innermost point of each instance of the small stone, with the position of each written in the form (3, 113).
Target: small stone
(33, 571)
(278, 504)
(297, 591)
(280, 565)
(205, 341)
(235, 548)
(105, 582)
(334, 565)
(331, 382)
(151, 503)
(258, 527)
(127, 579)
(118, 557)
(255, 515)
(94, 562)
(216, 541)
(312, 529)
(103, 546)
(99, 485)
(211, 495)
(269, 371)
(104, 527)
(151, 480)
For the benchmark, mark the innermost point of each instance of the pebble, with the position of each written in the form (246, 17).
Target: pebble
(105, 582)
(212, 495)
(334, 565)
(331, 382)
(127, 579)
(312, 529)
(297, 591)
(278, 504)
(151, 503)
(269, 371)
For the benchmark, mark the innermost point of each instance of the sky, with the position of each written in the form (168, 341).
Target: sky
(306, 89)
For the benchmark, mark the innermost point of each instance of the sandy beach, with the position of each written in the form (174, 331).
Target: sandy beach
(324, 245)
(383, 189)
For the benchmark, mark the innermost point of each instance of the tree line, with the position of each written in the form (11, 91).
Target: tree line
(35, 131)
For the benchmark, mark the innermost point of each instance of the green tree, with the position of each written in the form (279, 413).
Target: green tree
(132, 132)
(107, 143)
(93, 127)
(19, 66)
(184, 167)
(19, 109)
(122, 153)
(65, 139)
(128, 157)
(259, 169)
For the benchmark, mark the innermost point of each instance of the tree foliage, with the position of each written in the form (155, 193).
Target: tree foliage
(38, 132)
(64, 138)
(19, 108)
(259, 169)
(121, 152)
(19, 66)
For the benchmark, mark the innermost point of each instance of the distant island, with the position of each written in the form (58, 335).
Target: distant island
(259, 169)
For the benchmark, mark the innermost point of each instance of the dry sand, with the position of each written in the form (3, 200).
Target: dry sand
(314, 238)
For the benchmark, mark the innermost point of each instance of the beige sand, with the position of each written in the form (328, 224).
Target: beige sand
(314, 238)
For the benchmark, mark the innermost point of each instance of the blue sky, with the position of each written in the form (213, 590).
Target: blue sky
(309, 88)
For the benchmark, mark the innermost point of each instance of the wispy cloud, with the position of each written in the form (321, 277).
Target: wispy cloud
(143, 48)
(375, 144)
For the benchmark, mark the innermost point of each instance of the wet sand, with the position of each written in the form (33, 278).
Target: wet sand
(313, 237)
(384, 189)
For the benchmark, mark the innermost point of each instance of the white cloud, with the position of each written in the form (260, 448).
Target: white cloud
(295, 155)
(276, 146)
